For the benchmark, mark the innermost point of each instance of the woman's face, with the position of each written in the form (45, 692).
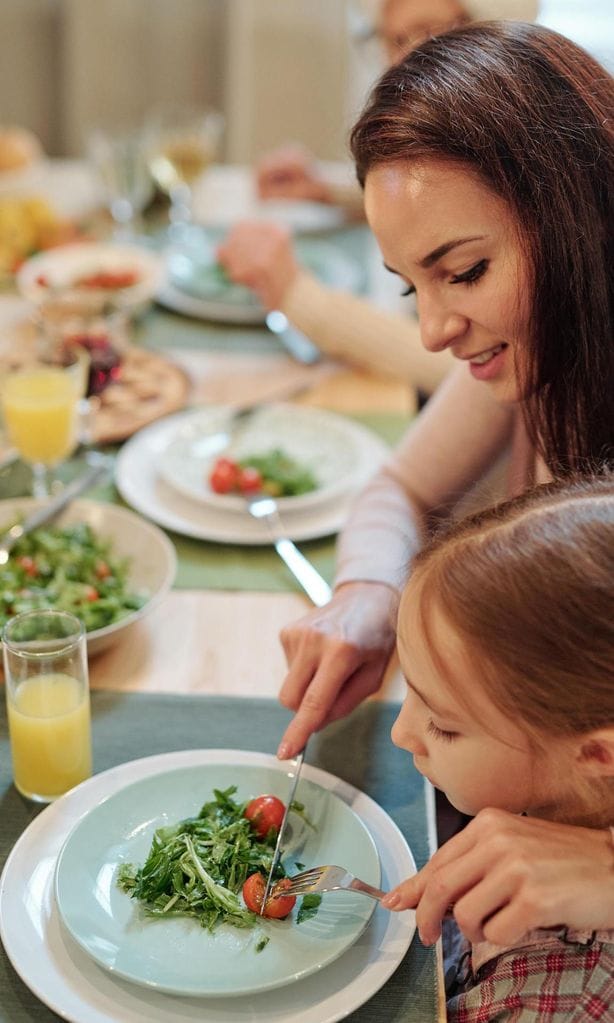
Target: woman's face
(453, 242)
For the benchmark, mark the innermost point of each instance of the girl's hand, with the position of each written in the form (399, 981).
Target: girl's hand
(261, 257)
(337, 656)
(505, 875)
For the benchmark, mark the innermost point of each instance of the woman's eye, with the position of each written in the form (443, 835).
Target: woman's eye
(471, 275)
(409, 290)
(439, 733)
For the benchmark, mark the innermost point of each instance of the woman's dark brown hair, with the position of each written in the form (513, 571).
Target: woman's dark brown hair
(530, 113)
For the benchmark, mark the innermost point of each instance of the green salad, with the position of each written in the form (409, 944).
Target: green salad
(68, 568)
(202, 865)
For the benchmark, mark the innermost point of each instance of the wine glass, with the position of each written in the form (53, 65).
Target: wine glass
(183, 143)
(120, 159)
(40, 405)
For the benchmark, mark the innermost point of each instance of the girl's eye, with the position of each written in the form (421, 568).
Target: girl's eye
(439, 733)
(409, 290)
(471, 275)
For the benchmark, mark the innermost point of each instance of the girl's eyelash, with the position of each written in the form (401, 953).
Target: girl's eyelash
(439, 733)
(471, 275)
(409, 290)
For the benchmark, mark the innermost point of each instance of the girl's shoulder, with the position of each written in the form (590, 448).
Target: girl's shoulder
(553, 976)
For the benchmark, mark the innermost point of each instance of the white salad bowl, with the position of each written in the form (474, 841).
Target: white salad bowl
(152, 562)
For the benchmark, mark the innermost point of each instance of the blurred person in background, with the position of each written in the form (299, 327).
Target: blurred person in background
(262, 256)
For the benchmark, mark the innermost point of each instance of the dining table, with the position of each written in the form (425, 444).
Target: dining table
(203, 669)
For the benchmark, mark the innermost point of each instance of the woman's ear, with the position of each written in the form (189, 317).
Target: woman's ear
(595, 753)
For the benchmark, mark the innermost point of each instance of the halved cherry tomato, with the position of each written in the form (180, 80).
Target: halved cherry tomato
(277, 905)
(250, 480)
(91, 594)
(28, 564)
(224, 476)
(266, 814)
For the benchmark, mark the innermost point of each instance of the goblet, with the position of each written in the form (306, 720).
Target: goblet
(40, 406)
(184, 142)
(121, 162)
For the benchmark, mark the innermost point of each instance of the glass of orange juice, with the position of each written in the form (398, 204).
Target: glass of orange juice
(47, 693)
(40, 403)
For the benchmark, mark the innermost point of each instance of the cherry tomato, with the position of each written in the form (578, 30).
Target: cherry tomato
(224, 476)
(266, 814)
(91, 594)
(28, 564)
(250, 480)
(277, 905)
(102, 570)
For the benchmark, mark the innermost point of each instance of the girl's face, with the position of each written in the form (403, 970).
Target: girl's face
(478, 760)
(453, 242)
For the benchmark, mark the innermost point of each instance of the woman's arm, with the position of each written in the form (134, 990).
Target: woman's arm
(507, 875)
(337, 655)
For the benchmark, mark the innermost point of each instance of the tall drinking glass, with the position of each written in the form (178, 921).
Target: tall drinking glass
(47, 695)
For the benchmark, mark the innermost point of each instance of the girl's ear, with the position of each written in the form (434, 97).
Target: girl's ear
(595, 754)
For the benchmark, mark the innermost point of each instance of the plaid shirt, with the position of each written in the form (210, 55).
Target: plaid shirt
(553, 977)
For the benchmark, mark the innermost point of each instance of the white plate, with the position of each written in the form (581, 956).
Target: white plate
(138, 481)
(176, 955)
(321, 442)
(152, 558)
(193, 286)
(71, 984)
(226, 194)
(65, 264)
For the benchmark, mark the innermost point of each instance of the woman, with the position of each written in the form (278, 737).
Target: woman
(261, 255)
(487, 158)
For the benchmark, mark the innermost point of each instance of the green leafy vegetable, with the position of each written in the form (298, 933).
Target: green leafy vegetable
(282, 475)
(69, 568)
(197, 867)
(308, 908)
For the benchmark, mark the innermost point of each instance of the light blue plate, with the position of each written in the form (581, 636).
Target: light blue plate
(177, 955)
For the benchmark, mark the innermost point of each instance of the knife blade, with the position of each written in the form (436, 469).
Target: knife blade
(263, 507)
(280, 835)
(50, 509)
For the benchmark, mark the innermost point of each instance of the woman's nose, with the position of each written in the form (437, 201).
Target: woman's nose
(440, 327)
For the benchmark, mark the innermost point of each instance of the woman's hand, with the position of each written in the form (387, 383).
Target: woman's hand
(290, 173)
(337, 656)
(260, 256)
(506, 875)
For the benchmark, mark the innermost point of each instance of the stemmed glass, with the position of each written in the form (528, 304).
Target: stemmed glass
(120, 158)
(40, 405)
(183, 143)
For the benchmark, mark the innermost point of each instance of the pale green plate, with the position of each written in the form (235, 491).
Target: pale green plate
(177, 955)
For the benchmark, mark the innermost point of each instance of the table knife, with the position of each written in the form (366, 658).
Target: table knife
(50, 509)
(280, 835)
(297, 344)
(265, 508)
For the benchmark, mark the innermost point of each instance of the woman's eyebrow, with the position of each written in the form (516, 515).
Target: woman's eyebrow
(438, 253)
(442, 250)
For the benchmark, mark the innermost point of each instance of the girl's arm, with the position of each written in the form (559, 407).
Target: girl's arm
(506, 875)
(337, 655)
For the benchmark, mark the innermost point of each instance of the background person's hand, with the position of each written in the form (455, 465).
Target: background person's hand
(506, 875)
(290, 173)
(260, 256)
(337, 656)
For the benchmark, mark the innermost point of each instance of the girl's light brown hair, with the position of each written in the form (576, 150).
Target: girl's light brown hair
(531, 113)
(528, 586)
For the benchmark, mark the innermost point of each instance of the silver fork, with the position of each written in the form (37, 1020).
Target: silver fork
(329, 879)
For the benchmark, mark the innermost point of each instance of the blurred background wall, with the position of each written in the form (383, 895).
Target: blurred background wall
(279, 69)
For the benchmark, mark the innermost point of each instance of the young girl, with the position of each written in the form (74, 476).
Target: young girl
(506, 639)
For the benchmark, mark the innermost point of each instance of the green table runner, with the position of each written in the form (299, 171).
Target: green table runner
(357, 749)
(213, 566)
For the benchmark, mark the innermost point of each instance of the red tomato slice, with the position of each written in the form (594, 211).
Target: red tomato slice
(277, 906)
(250, 480)
(224, 476)
(266, 814)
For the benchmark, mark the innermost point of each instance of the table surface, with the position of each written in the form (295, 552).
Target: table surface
(188, 644)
